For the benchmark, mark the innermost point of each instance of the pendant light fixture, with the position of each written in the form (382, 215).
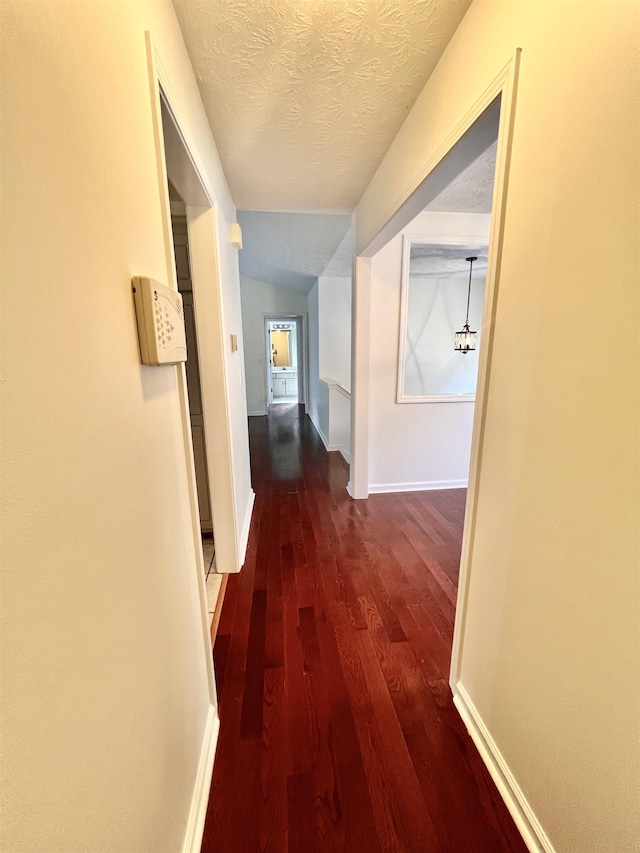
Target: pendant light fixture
(465, 340)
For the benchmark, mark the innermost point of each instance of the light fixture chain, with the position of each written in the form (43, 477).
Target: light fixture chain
(471, 260)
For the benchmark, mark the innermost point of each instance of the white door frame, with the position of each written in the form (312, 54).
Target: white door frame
(301, 349)
(174, 156)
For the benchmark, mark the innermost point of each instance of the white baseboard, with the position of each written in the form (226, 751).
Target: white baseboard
(200, 799)
(351, 495)
(325, 441)
(426, 486)
(525, 819)
(257, 414)
(330, 447)
(246, 526)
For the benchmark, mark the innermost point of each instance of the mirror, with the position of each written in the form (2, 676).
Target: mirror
(435, 279)
(281, 348)
(282, 344)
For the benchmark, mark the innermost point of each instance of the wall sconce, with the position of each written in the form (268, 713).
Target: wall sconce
(235, 234)
(465, 339)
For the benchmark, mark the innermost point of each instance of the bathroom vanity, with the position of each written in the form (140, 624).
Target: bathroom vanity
(285, 381)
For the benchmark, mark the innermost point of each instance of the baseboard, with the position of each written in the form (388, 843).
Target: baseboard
(257, 414)
(246, 527)
(523, 815)
(325, 441)
(330, 447)
(426, 486)
(200, 799)
(351, 495)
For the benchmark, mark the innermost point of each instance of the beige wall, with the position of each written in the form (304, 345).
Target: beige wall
(105, 689)
(550, 654)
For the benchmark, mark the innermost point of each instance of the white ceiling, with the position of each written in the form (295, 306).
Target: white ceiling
(304, 98)
(471, 191)
(289, 249)
(431, 260)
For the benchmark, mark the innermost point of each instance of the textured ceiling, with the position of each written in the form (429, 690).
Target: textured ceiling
(289, 249)
(445, 261)
(305, 96)
(471, 191)
(293, 249)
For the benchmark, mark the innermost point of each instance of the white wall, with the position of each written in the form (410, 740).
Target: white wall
(329, 311)
(105, 696)
(318, 403)
(334, 319)
(550, 652)
(413, 445)
(258, 299)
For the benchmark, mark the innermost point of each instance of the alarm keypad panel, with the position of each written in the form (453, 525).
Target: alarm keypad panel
(160, 317)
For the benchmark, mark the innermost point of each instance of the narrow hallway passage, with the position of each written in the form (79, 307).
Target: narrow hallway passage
(338, 731)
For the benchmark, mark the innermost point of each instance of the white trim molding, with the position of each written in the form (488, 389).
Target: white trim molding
(336, 447)
(426, 486)
(505, 85)
(333, 384)
(316, 426)
(440, 398)
(330, 448)
(360, 384)
(521, 811)
(246, 527)
(200, 799)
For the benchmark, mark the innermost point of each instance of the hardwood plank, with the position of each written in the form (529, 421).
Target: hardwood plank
(328, 800)
(414, 822)
(338, 731)
(272, 818)
(359, 833)
(303, 835)
(252, 697)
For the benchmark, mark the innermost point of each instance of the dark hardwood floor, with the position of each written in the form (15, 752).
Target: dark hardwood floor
(338, 731)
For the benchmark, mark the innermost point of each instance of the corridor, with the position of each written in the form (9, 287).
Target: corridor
(338, 731)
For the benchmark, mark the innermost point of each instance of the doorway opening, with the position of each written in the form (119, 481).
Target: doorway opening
(184, 281)
(192, 254)
(426, 387)
(284, 341)
(449, 189)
